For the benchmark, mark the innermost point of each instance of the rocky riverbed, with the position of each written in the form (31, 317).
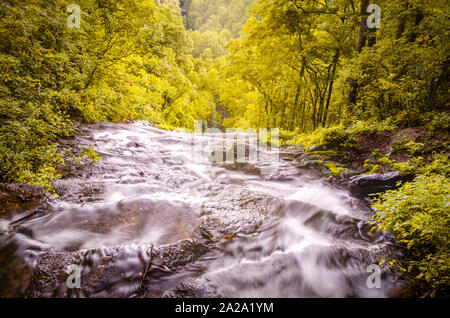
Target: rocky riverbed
(152, 219)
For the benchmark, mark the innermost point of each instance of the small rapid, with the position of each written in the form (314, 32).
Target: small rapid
(155, 219)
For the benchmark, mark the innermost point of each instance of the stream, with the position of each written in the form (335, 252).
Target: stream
(155, 219)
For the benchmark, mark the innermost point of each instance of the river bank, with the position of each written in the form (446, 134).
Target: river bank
(393, 171)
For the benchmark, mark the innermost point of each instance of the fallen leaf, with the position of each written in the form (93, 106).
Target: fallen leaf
(228, 238)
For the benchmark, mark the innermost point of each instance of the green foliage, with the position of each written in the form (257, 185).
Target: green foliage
(291, 67)
(370, 168)
(440, 165)
(91, 154)
(371, 128)
(411, 146)
(406, 168)
(216, 15)
(336, 137)
(405, 71)
(129, 60)
(334, 169)
(435, 121)
(418, 215)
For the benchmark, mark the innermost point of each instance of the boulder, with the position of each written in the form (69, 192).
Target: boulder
(362, 186)
(317, 148)
(18, 198)
(403, 289)
(233, 153)
(247, 168)
(407, 134)
(115, 271)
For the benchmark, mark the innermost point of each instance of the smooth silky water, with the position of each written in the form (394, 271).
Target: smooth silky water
(293, 234)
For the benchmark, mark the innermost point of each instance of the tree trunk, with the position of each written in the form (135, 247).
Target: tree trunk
(402, 24)
(372, 39)
(330, 90)
(297, 95)
(419, 16)
(314, 110)
(363, 31)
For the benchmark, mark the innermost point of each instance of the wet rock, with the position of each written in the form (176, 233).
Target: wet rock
(80, 191)
(317, 148)
(408, 134)
(16, 271)
(130, 221)
(197, 288)
(232, 210)
(403, 289)
(116, 271)
(363, 185)
(133, 144)
(281, 275)
(237, 152)
(244, 167)
(18, 198)
(307, 161)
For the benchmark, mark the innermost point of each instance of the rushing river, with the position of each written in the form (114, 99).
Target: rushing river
(155, 219)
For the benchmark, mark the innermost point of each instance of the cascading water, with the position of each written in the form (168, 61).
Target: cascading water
(153, 220)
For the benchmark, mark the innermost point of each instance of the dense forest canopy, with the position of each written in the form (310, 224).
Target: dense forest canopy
(129, 59)
(311, 68)
(205, 15)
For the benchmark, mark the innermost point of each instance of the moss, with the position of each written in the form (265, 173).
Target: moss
(350, 144)
(334, 169)
(327, 153)
(405, 168)
(371, 169)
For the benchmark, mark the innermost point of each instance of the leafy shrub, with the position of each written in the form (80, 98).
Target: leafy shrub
(286, 136)
(371, 127)
(89, 153)
(28, 153)
(370, 168)
(406, 118)
(409, 167)
(414, 147)
(334, 169)
(433, 121)
(418, 215)
(335, 137)
(440, 165)
(437, 121)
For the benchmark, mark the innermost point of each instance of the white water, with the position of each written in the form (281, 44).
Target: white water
(293, 234)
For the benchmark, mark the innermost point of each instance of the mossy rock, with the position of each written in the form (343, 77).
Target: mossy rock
(371, 168)
(334, 168)
(329, 155)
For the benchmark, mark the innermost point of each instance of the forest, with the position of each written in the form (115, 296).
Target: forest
(333, 76)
